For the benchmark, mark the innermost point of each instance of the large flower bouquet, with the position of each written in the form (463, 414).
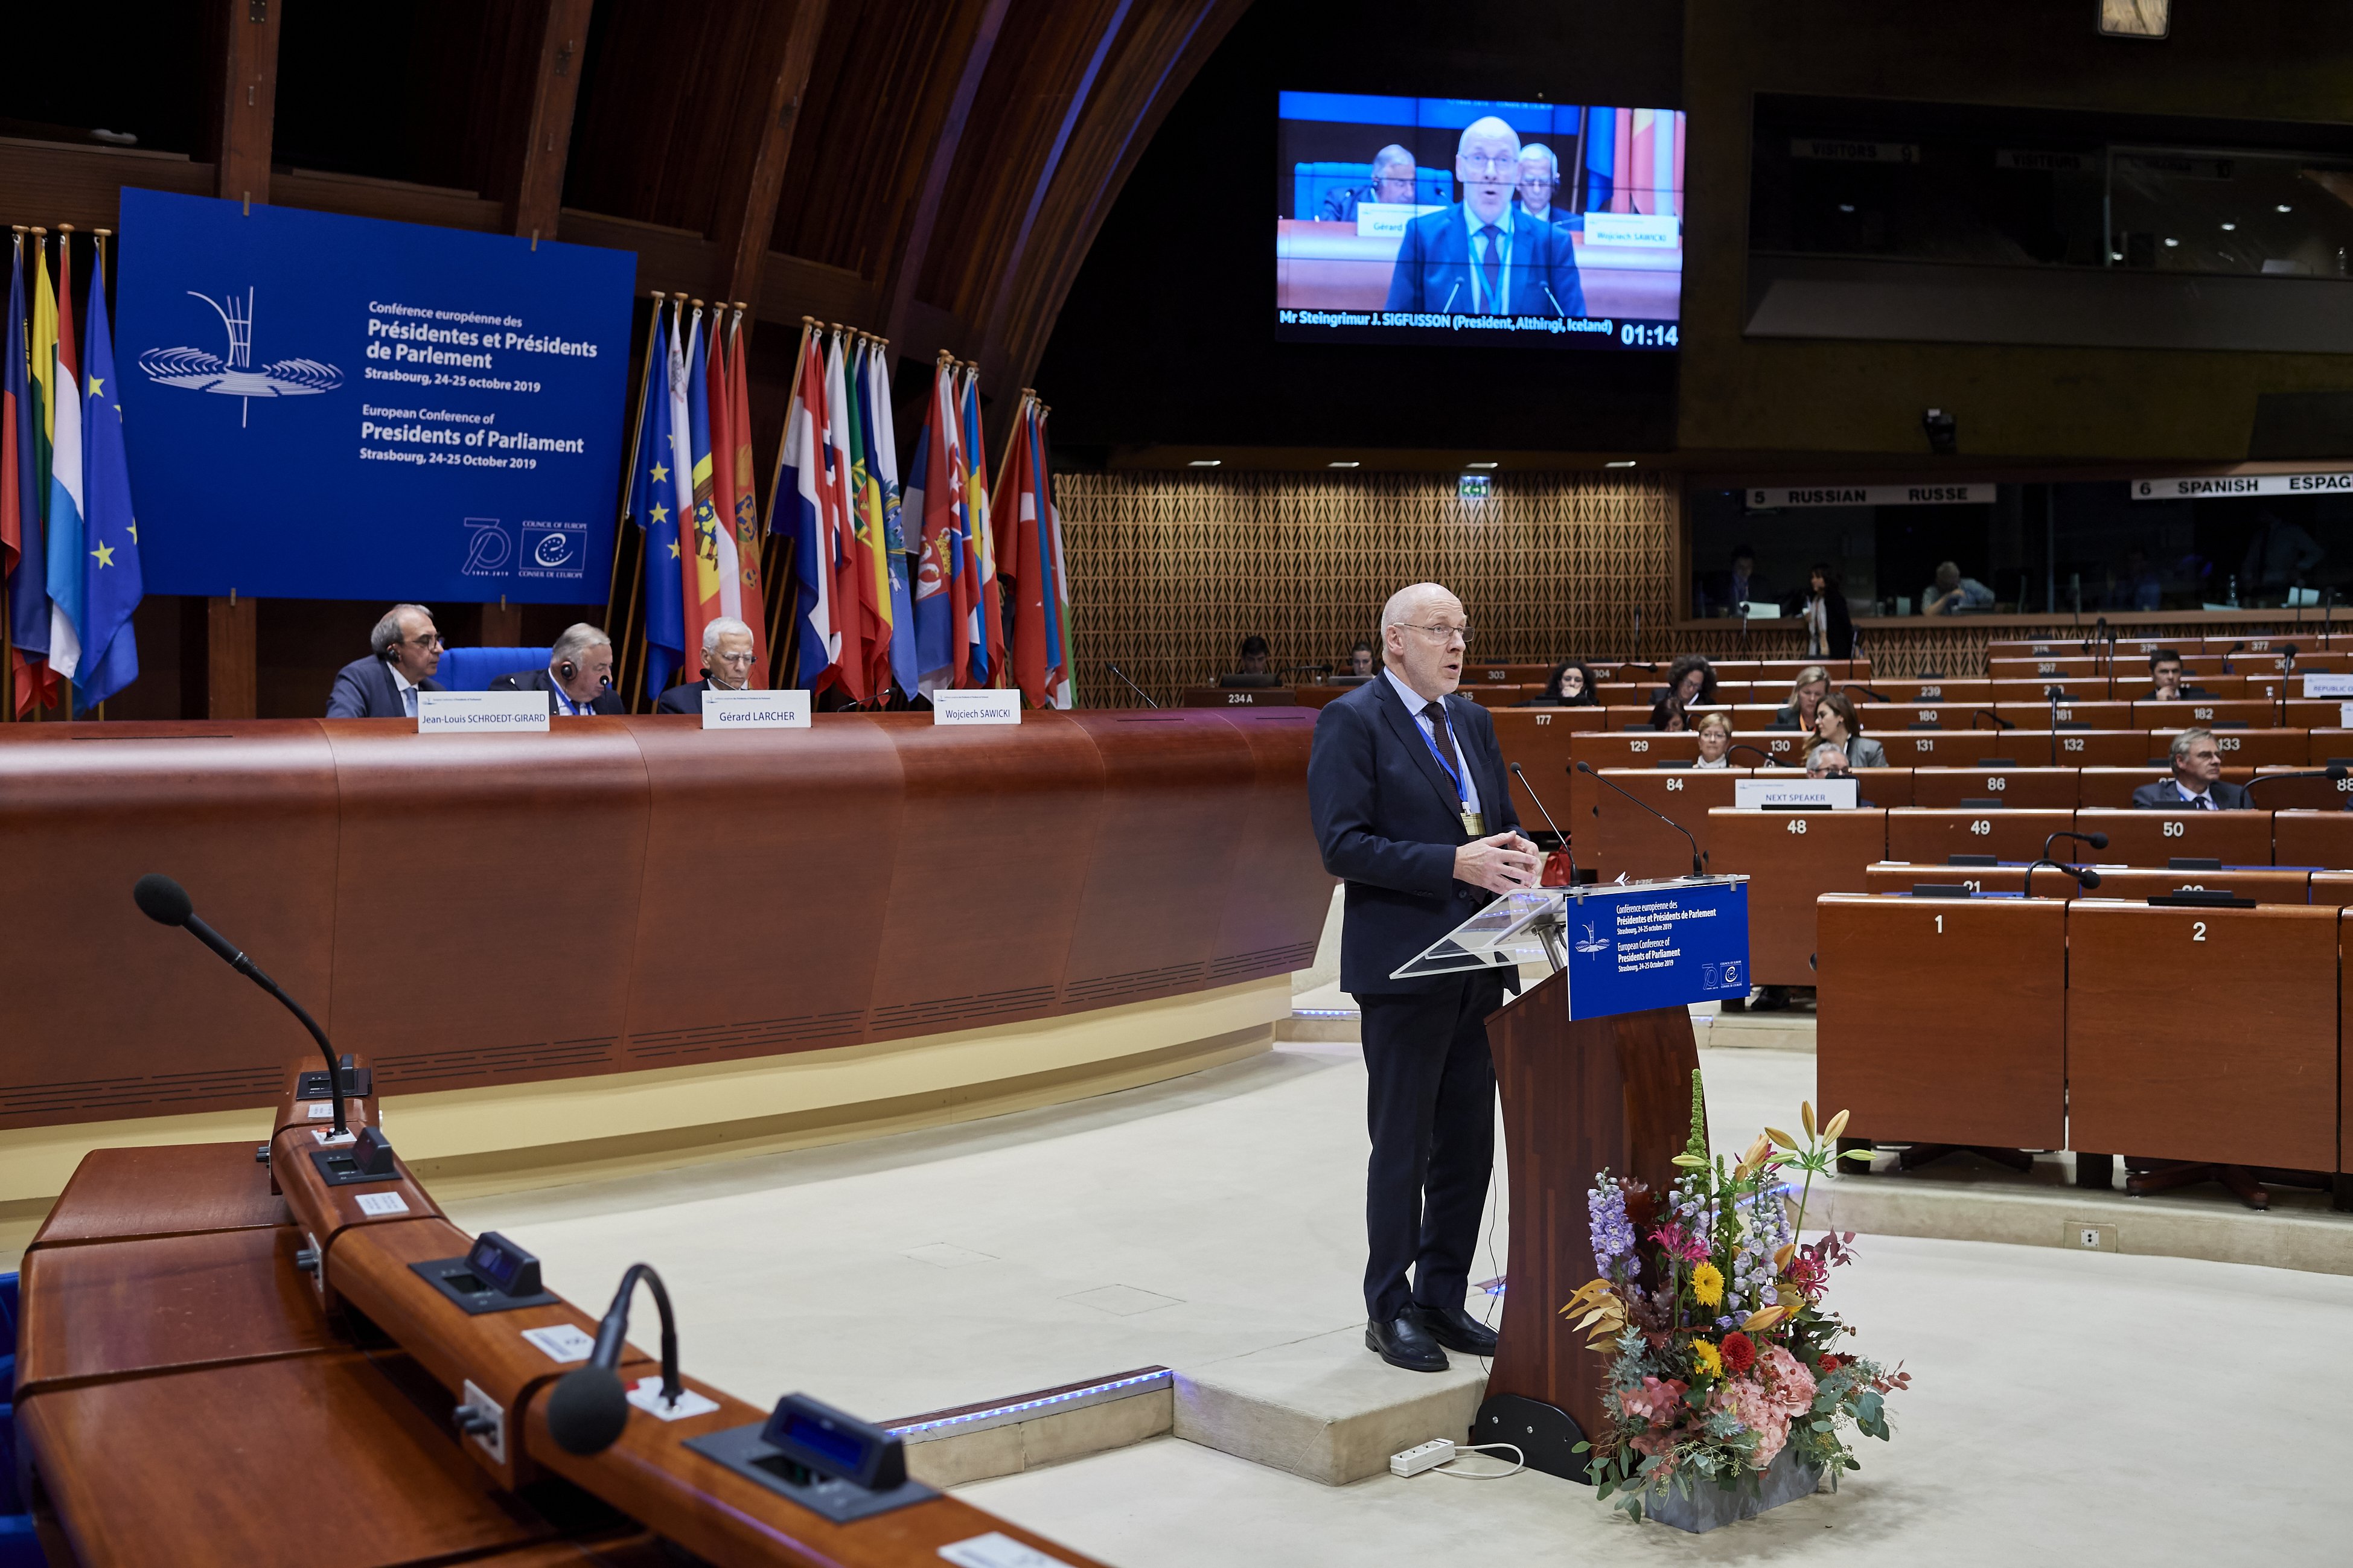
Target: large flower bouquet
(1722, 1354)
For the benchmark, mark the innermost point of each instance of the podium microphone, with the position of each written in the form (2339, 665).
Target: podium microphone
(1696, 857)
(588, 1409)
(166, 902)
(1556, 833)
(1130, 684)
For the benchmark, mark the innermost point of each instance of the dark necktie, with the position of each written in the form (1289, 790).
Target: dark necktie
(1436, 714)
(1491, 267)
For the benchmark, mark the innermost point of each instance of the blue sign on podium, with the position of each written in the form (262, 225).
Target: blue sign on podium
(1627, 947)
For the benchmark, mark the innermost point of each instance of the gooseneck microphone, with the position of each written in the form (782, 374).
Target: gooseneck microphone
(1130, 684)
(1697, 868)
(2336, 772)
(166, 902)
(588, 1408)
(1999, 721)
(2096, 840)
(1523, 777)
(2082, 877)
(1770, 760)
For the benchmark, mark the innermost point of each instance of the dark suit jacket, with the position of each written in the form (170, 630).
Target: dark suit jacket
(364, 689)
(687, 698)
(2186, 693)
(2165, 794)
(1433, 268)
(1389, 821)
(540, 680)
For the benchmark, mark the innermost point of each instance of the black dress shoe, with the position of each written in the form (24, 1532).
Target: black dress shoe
(1455, 1328)
(1402, 1342)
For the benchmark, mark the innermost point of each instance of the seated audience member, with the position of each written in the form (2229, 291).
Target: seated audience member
(1806, 693)
(1571, 685)
(1953, 593)
(1839, 728)
(578, 677)
(1827, 761)
(1667, 714)
(2166, 683)
(1539, 180)
(2197, 782)
(1714, 741)
(1361, 661)
(406, 650)
(1691, 681)
(1392, 181)
(726, 667)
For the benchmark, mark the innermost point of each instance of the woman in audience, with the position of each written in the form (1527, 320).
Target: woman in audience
(1714, 741)
(1667, 713)
(1805, 692)
(1571, 685)
(1691, 681)
(1829, 627)
(1837, 726)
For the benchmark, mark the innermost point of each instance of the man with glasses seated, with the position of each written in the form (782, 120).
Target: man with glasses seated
(1484, 257)
(1392, 182)
(1411, 806)
(726, 667)
(385, 685)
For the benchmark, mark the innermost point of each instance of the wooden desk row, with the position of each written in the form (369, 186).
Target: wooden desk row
(1888, 722)
(625, 893)
(2315, 637)
(190, 1392)
(2207, 1035)
(1549, 750)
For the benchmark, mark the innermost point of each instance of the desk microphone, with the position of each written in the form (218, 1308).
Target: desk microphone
(1696, 856)
(166, 902)
(2336, 772)
(1866, 690)
(588, 1409)
(1130, 684)
(1770, 760)
(2227, 652)
(1989, 713)
(2083, 877)
(2096, 840)
(1523, 777)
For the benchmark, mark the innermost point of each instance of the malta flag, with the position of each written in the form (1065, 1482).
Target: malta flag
(809, 497)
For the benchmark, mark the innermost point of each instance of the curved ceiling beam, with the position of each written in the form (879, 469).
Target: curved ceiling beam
(898, 282)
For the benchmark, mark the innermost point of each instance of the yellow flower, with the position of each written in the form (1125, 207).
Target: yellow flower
(1707, 1285)
(1705, 1355)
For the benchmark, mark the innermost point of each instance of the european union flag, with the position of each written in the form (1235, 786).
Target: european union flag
(111, 587)
(653, 492)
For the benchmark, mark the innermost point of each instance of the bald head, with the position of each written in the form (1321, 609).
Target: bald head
(1487, 162)
(1429, 661)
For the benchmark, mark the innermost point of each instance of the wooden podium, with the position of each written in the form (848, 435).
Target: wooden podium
(1594, 1066)
(1579, 1096)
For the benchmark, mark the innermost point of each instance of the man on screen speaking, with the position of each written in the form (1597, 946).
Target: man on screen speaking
(1481, 256)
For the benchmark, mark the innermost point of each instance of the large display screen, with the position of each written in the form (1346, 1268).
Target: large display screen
(1472, 220)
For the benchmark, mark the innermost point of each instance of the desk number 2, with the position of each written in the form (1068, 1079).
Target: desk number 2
(2199, 931)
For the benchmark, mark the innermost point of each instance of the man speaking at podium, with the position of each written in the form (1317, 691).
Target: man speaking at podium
(1407, 790)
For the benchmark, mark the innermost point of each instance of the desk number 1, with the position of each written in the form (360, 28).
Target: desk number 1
(1940, 925)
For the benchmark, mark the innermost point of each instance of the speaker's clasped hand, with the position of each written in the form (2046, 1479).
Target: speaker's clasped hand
(1500, 863)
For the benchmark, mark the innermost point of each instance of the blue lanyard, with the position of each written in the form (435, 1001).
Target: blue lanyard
(1429, 739)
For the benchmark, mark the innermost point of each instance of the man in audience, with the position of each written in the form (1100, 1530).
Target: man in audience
(726, 667)
(1257, 658)
(1411, 806)
(2165, 679)
(2197, 782)
(1392, 181)
(404, 652)
(578, 677)
(1539, 180)
(1953, 594)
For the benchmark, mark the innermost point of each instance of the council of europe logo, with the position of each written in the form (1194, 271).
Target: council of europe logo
(198, 370)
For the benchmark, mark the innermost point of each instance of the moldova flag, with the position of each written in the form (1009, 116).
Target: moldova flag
(112, 582)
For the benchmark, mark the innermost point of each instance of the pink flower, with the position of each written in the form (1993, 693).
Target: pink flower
(1756, 1410)
(1680, 1243)
(1658, 1403)
(1786, 1382)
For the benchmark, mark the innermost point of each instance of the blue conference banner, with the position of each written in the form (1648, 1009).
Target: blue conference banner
(1659, 944)
(322, 407)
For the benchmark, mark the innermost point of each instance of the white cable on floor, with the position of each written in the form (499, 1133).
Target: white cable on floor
(1461, 1448)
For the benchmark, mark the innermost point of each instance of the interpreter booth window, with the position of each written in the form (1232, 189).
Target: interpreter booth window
(1938, 183)
(2179, 546)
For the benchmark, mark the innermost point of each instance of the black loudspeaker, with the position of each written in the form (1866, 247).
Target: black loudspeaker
(1546, 1434)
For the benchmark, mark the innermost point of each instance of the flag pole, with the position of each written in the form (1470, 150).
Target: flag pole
(637, 433)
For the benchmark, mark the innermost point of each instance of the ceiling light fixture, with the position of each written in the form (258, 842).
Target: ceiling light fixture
(1347, 464)
(2228, 227)
(2171, 243)
(1619, 463)
(2285, 208)
(1846, 206)
(1213, 462)
(1481, 464)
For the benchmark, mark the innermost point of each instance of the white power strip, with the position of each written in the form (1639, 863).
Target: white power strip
(1429, 1456)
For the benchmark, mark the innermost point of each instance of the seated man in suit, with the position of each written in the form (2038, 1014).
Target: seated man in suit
(579, 674)
(1483, 256)
(406, 650)
(726, 667)
(1411, 805)
(1392, 181)
(2165, 679)
(2196, 782)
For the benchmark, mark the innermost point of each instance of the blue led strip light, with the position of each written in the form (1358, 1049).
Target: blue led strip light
(1025, 1409)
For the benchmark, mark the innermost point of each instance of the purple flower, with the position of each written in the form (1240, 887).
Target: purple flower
(1613, 1233)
